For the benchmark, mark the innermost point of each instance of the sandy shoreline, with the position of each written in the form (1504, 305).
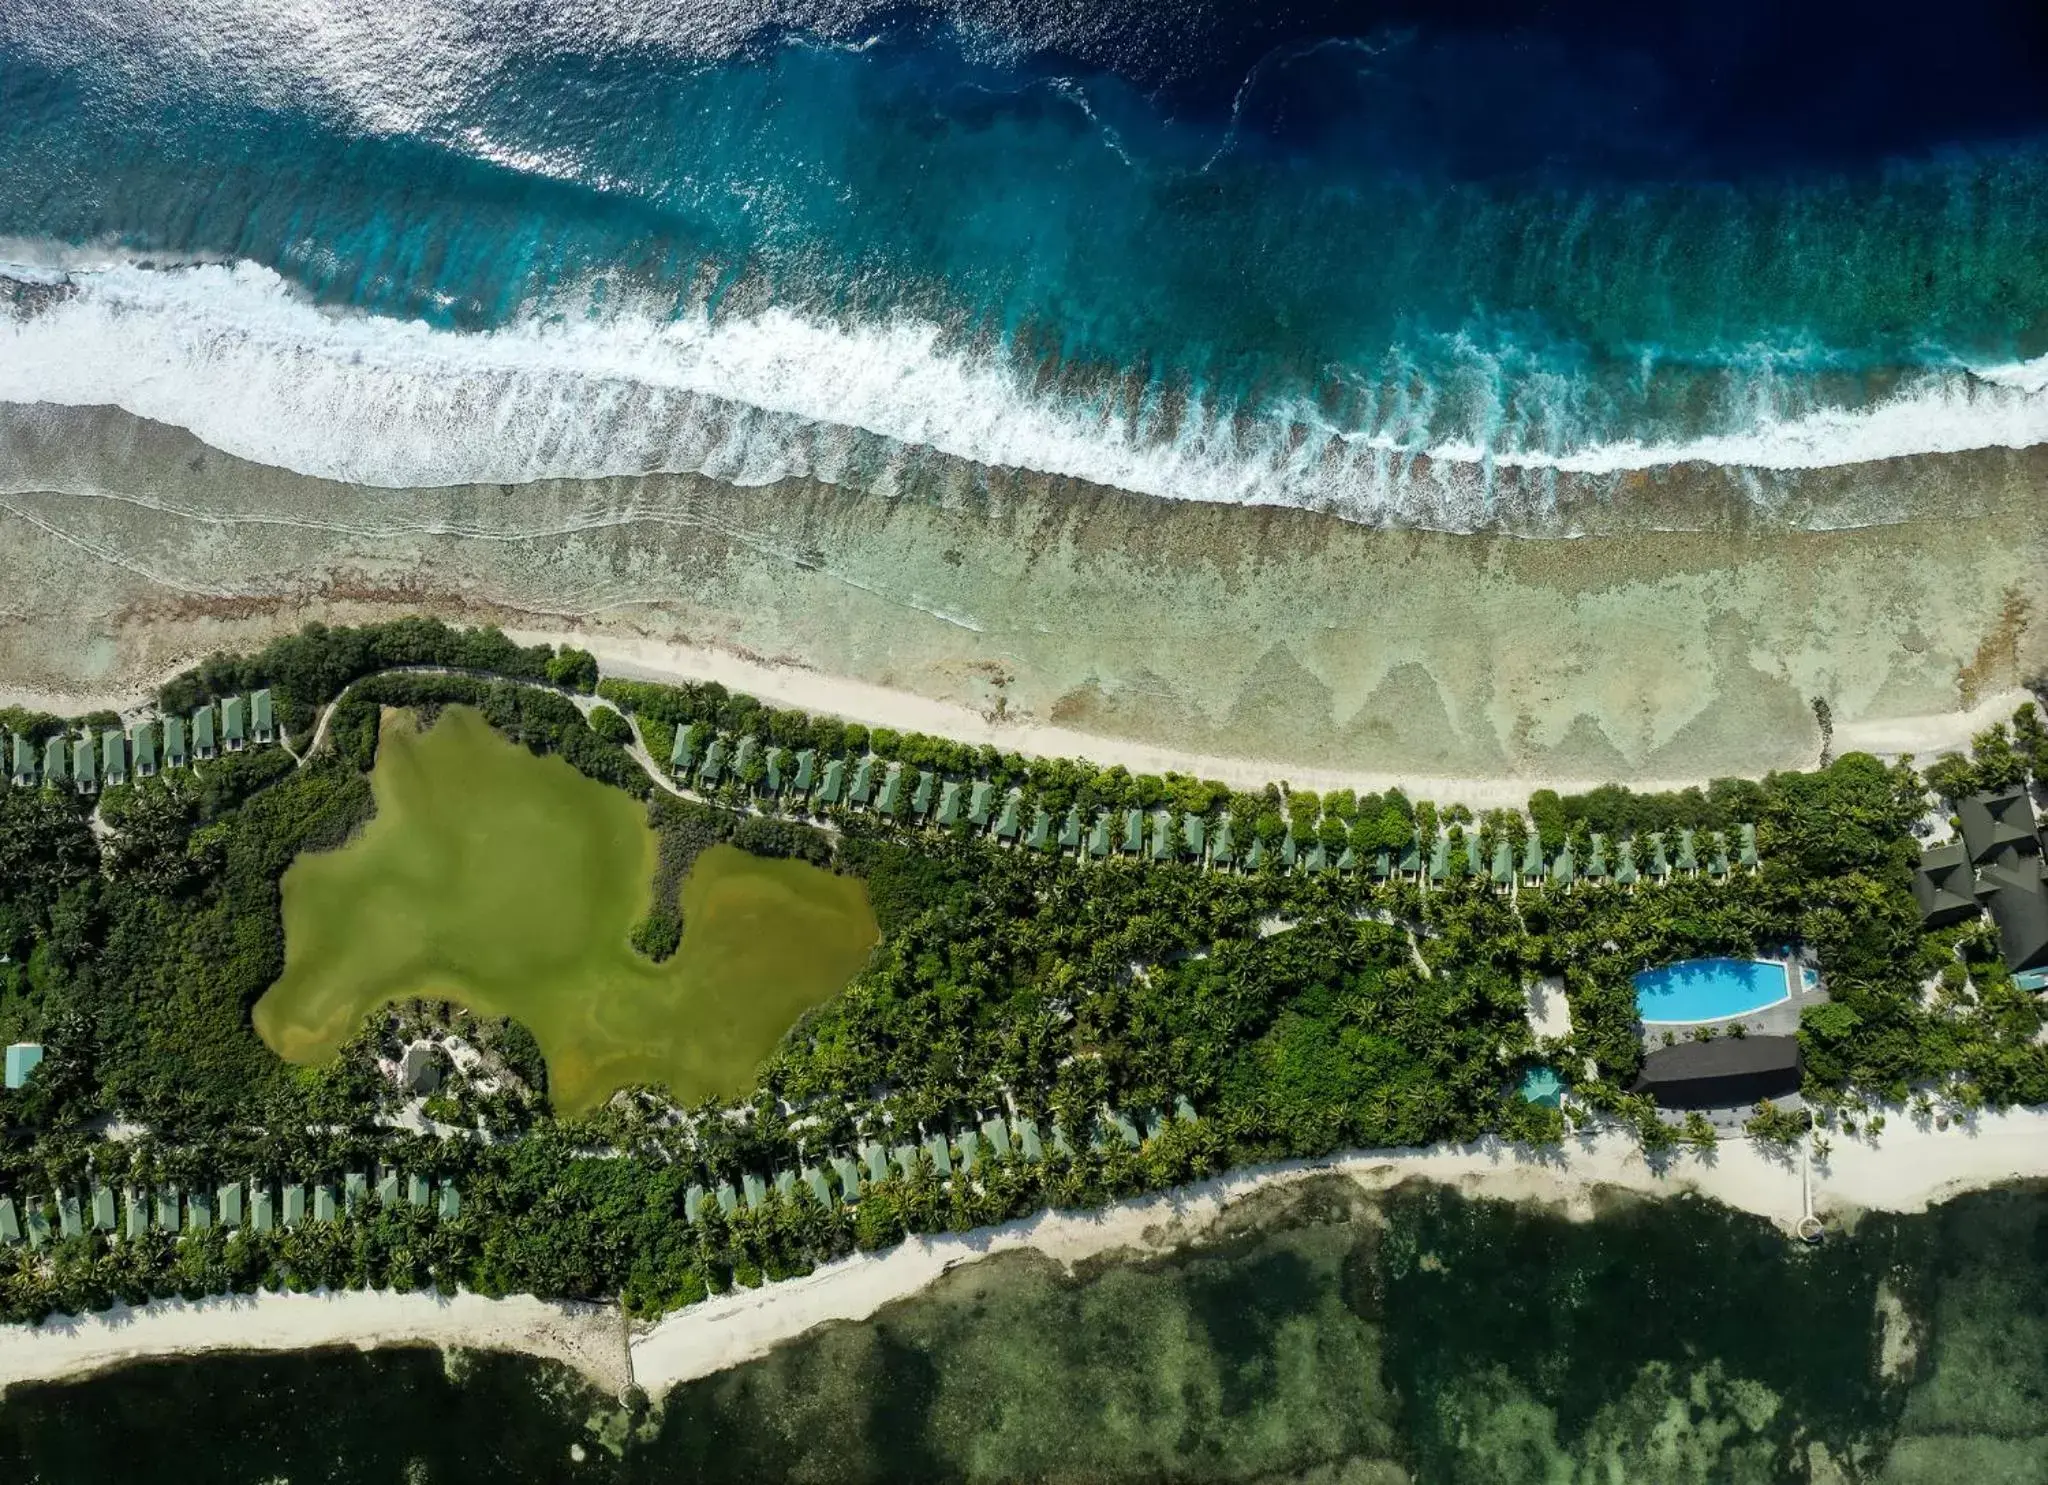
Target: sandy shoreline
(1909, 1168)
(589, 1338)
(788, 685)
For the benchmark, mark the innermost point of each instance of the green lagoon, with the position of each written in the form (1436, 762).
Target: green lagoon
(510, 883)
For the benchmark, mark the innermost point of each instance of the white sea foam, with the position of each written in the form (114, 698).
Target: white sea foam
(230, 353)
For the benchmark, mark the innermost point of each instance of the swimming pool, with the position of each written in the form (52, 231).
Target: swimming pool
(1710, 989)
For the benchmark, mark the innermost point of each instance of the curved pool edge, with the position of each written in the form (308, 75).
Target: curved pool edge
(1788, 990)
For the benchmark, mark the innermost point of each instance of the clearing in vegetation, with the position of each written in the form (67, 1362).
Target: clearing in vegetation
(509, 883)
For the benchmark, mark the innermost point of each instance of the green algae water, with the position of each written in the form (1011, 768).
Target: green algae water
(510, 883)
(1322, 1337)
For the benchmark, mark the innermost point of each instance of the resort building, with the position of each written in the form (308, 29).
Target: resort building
(142, 745)
(1724, 1073)
(234, 726)
(714, 764)
(84, 765)
(22, 1059)
(56, 763)
(175, 755)
(261, 724)
(114, 756)
(203, 745)
(683, 752)
(1996, 867)
(24, 770)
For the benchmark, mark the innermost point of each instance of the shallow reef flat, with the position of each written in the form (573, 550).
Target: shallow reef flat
(127, 547)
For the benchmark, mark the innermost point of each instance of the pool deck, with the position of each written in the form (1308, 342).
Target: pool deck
(1780, 1018)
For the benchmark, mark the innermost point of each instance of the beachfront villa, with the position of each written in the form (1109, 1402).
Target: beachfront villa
(115, 756)
(1996, 867)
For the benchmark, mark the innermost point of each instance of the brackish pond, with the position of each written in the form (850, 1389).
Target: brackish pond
(1329, 1339)
(510, 883)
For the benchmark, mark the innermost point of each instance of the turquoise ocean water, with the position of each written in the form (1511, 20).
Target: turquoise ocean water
(1373, 259)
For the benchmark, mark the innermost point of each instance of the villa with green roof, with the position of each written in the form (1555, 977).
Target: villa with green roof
(743, 757)
(979, 803)
(203, 745)
(175, 755)
(262, 725)
(24, 761)
(84, 765)
(1009, 823)
(234, 726)
(114, 756)
(714, 764)
(863, 788)
(835, 782)
(682, 753)
(142, 743)
(921, 796)
(949, 803)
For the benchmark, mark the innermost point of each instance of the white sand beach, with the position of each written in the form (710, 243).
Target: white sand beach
(1908, 1168)
(1911, 1166)
(790, 685)
(590, 1338)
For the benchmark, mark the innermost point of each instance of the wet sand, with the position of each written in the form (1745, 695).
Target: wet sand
(127, 548)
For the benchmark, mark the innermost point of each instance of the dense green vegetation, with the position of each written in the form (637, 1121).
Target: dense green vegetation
(1296, 1011)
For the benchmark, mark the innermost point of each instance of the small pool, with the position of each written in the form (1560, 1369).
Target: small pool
(1543, 1085)
(1710, 989)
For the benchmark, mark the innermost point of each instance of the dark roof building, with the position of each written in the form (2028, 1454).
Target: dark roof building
(1726, 1072)
(2016, 894)
(1994, 822)
(1997, 866)
(1945, 885)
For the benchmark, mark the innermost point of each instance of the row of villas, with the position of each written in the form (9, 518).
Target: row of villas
(254, 1205)
(708, 761)
(87, 762)
(837, 1180)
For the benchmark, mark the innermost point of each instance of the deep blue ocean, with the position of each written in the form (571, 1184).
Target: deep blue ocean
(1254, 254)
